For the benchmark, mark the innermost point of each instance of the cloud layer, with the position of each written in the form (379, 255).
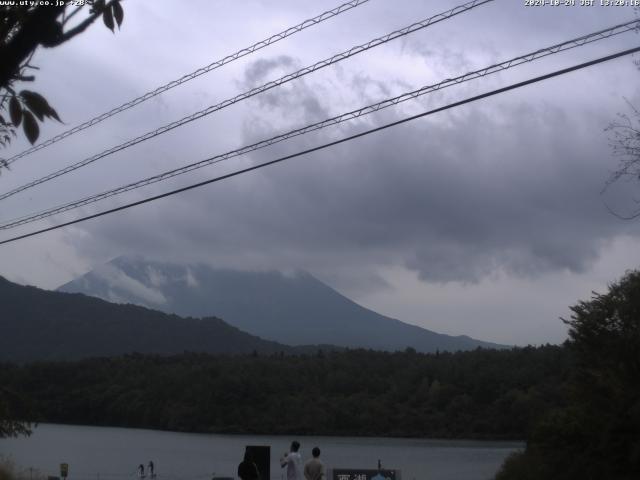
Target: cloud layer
(507, 188)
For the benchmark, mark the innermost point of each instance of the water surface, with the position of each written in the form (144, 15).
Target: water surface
(101, 453)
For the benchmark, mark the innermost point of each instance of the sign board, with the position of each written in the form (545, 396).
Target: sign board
(363, 474)
(64, 470)
(261, 456)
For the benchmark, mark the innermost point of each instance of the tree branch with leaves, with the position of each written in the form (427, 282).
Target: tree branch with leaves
(24, 28)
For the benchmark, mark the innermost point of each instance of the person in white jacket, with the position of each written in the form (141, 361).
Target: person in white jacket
(293, 462)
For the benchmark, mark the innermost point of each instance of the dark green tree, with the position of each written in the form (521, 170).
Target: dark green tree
(597, 435)
(605, 337)
(13, 414)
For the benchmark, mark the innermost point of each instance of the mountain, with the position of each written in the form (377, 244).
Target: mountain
(41, 325)
(293, 309)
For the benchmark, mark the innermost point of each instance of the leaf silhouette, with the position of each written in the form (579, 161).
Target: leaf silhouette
(38, 105)
(15, 111)
(118, 13)
(107, 18)
(35, 102)
(30, 126)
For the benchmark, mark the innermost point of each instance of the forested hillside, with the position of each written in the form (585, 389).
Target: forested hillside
(37, 324)
(479, 394)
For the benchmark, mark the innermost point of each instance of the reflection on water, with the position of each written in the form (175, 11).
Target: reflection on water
(100, 453)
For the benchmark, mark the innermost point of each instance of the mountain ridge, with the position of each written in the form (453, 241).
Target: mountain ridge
(39, 325)
(295, 309)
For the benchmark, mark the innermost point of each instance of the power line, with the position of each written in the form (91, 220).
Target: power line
(196, 73)
(255, 91)
(333, 143)
(529, 57)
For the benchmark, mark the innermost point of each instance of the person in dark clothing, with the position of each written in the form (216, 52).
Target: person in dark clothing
(248, 470)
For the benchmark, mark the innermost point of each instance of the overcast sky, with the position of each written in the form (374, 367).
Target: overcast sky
(486, 220)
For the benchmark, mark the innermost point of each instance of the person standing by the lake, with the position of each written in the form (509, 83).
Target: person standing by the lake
(248, 470)
(293, 462)
(314, 468)
(150, 467)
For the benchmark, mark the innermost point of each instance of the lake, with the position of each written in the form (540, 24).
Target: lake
(102, 453)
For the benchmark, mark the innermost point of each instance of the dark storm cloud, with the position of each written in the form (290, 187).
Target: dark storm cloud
(369, 88)
(456, 202)
(510, 185)
(455, 198)
(294, 100)
(258, 71)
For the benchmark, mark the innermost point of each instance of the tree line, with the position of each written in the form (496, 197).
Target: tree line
(478, 394)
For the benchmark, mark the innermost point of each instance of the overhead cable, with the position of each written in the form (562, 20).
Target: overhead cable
(495, 68)
(254, 91)
(330, 144)
(190, 76)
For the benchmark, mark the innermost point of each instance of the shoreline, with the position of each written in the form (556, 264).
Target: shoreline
(493, 440)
